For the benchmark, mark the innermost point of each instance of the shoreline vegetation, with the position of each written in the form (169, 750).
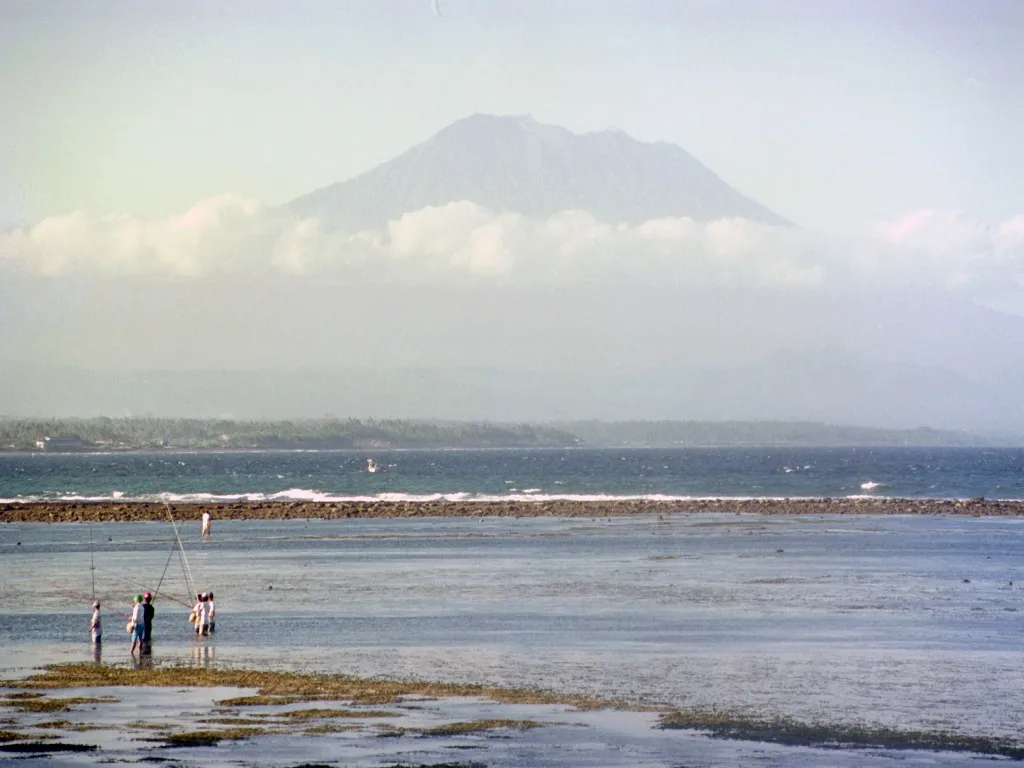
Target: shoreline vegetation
(132, 511)
(330, 433)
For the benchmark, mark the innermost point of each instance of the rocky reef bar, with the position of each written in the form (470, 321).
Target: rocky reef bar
(119, 511)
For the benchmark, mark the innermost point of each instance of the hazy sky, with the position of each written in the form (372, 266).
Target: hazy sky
(834, 114)
(146, 149)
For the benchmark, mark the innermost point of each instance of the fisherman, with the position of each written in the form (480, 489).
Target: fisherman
(148, 611)
(96, 626)
(197, 612)
(213, 611)
(202, 611)
(204, 618)
(137, 625)
(206, 534)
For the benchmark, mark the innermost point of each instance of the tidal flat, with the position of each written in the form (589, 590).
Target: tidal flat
(630, 640)
(250, 715)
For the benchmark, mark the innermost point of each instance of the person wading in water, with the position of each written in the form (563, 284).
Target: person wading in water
(148, 611)
(96, 626)
(138, 623)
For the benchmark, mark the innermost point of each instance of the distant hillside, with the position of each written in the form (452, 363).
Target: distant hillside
(149, 433)
(517, 164)
(154, 433)
(735, 434)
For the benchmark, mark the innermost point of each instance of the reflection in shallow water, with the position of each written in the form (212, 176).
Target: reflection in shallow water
(203, 655)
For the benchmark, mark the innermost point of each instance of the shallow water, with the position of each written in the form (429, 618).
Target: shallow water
(898, 621)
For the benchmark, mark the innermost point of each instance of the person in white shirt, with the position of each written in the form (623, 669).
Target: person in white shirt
(96, 626)
(138, 623)
(202, 610)
(206, 533)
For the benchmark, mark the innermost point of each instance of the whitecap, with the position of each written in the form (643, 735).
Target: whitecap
(299, 494)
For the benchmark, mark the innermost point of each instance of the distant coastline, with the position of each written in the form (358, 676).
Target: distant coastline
(77, 511)
(158, 434)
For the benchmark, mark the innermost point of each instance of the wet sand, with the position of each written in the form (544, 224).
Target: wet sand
(68, 512)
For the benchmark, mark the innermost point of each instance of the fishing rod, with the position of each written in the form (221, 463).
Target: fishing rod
(84, 596)
(190, 583)
(186, 570)
(92, 563)
(139, 585)
(166, 564)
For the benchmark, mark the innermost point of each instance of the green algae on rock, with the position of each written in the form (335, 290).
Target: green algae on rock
(292, 687)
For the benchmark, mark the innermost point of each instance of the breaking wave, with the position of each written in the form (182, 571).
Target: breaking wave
(311, 495)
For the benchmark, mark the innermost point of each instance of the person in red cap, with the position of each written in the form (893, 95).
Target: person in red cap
(147, 618)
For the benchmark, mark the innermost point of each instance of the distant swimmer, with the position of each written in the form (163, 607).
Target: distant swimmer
(206, 534)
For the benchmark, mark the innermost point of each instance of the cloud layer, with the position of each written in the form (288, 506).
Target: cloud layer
(231, 235)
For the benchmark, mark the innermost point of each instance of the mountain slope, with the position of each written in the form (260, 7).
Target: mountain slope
(517, 164)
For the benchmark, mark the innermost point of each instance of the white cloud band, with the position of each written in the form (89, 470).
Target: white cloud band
(229, 235)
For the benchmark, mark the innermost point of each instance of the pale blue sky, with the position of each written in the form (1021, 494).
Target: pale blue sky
(834, 114)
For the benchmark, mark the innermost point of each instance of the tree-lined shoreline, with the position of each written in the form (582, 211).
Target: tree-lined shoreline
(329, 433)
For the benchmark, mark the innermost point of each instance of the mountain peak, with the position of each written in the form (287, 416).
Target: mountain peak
(482, 123)
(514, 163)
(485, 119)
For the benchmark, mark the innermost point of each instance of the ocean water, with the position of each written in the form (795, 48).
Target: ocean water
(909, 622)
(512, 474)
(912, 622)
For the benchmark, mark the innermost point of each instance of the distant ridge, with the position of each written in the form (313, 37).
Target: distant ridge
(149, 433)
(515, 164)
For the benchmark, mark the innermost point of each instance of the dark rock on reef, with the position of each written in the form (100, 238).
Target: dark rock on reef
(70, 512)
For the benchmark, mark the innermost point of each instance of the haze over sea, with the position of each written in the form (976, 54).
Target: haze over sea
(994, 473)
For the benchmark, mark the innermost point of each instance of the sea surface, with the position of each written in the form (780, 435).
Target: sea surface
(518, 474)
(911, 622)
